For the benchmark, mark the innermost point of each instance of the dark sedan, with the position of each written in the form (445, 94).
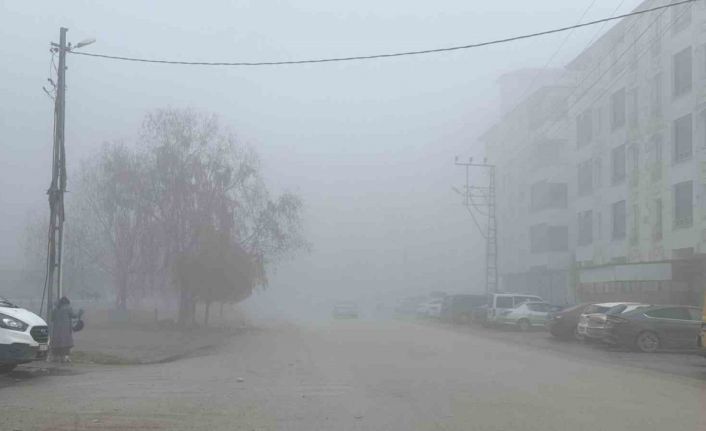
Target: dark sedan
(562, 324)
(656, 327)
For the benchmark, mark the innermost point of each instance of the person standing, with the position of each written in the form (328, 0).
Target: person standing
(61, 337)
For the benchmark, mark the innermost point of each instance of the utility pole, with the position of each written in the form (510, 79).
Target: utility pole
(481, 201)
(57, 187)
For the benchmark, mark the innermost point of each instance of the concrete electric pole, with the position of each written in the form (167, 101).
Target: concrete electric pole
(57, 188)
(484, 207)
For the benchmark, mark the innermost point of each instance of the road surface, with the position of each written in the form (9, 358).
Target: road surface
(353, 375)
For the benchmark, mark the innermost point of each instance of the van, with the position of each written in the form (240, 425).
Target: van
(24, 336)
(460, 308)
(501, 304)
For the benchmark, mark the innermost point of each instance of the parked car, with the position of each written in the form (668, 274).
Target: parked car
(408, 306)
(655, 327)
(702, 337)
(592, 322)
(345, 310)
(527, 315)
(430, 309)
(563, 323)
(702, 333)
(460, 308)
(501, 304)
(24, 336)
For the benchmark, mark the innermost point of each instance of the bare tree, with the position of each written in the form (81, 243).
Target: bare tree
(114, 212)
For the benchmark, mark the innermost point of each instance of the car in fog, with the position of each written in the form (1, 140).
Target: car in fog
(592, 322)
(501, 304)
(345, 310)
(430, 309)
(563, 323)
(24, 336)
(528, 315)
(460, 308)
(655, 327)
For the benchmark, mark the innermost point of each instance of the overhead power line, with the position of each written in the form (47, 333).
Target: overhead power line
(380, 56)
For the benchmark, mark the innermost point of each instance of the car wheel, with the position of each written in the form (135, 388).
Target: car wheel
(647, 342)
(4, 369)
(524, 325)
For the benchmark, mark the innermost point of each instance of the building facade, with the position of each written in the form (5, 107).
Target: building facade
(610, 190)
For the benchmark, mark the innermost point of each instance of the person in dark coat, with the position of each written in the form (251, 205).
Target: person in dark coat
(62, 339)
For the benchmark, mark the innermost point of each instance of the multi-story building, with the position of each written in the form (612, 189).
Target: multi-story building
(627, 173)
(532, 194)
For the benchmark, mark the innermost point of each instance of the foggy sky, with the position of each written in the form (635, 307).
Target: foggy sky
(368, 145)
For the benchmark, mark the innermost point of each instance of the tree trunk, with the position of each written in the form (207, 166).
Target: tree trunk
(206, 312)
(184, 306)
(192, 303)
(121, 297)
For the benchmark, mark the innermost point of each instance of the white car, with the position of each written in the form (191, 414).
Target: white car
(430, 309)
(592, 323)
(528, 315)
(434, 308)
(502, 304)
(24, 336)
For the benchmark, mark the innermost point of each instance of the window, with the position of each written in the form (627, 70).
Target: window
(585, 228)
(635, 228)
(681, 17)
(618, 164)
(598, 115)
(658, 228)
(585, 178)
(633, 108)
(597, 172)
(634, 164)
(504, 302)
(619, 221)
(544, 195)
(584, 128)
(703, 128)
(617, 109)
(679, 313)
(683, 204)
(541, 308)
(656, 96)
(655, 156)
(545, 238)
(599, 225)
(522, 299)
(682, 74)
(682, 133)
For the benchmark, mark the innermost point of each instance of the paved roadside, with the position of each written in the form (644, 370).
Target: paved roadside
(360, 375)
(686, 364)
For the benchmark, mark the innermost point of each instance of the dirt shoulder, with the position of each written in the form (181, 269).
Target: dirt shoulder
(141, 340)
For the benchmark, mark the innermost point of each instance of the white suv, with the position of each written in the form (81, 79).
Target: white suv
(24, 336)
(501, 304)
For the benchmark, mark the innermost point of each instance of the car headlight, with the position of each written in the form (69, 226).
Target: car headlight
(11, 323)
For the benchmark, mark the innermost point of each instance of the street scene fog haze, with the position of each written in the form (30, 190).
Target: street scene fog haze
(372, 215)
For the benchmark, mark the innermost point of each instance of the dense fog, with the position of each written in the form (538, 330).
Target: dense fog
(368, 146)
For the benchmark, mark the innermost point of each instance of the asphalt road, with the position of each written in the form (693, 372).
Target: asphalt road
(353, 375)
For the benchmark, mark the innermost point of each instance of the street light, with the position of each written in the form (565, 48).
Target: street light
(85, 42)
